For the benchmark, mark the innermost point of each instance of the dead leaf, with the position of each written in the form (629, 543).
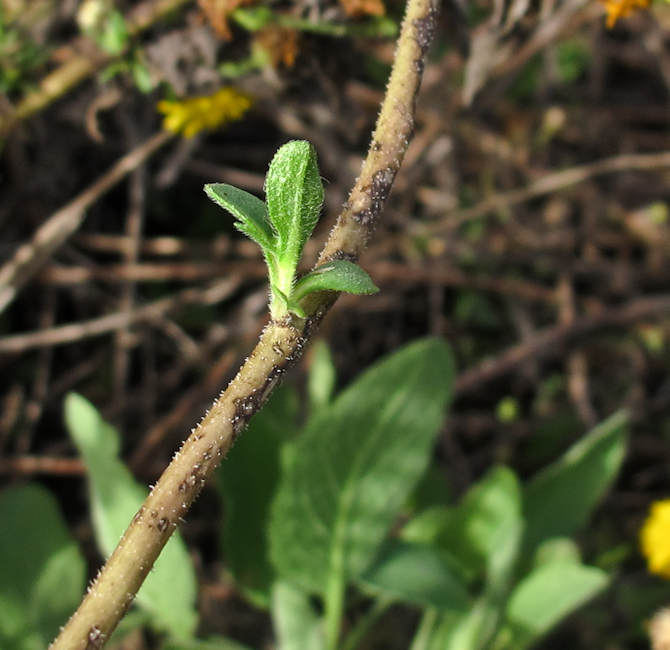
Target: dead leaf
(217, 12)
(363, 7)
(281, 44)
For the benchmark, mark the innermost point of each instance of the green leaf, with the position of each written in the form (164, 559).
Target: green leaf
(249, 210)
(558, 500)
(169, 591)
(297, 625)
(489, 513)
(557, 549)
(338, 275)
(416, 573)
(42, 570)
(428, 525)
(244, 530)
(294, 194)
(355, 464)
(438, 629)
(547, 595)
(113, 37)
(212, 643)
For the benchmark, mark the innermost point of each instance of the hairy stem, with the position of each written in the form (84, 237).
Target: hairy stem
(112, 592)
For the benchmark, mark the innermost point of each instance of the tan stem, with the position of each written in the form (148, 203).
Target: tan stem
(280, 344)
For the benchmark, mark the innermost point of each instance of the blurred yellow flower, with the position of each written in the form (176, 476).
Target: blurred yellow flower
(655, 538)
(621, 8)
(208, 112)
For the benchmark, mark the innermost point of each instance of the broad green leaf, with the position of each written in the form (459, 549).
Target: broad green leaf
(338, 275)
(353, 468)
(249, 210)
(294, 194)
(502, 562)
(416, 573)
(169, 592)
(558, 500)
(489, 512)
(247, 480)
(547, 595)
(42, 570)
(297, 625)
(433, 490)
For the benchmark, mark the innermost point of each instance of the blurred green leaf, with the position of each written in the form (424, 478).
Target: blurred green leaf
(433, 488)
(426, 527)
(558, 500)
(573, 57)
(557, 549)
(169, 591)
(212, 643)
(489, 513)
(297, 625)
(355, 465)
(416, 573)
(507, 410)
(247, 480)
(42, 571)
(322, 376)
(547, 595)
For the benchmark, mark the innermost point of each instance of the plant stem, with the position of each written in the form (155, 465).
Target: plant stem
(333, 609)
(365, 624)
(425, 630)
(113, 591)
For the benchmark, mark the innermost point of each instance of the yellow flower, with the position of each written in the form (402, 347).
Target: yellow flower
(655, 538)
(621, 8)
(208, 112)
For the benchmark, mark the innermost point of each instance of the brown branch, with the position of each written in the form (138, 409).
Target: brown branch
(148, 272)
(119, 320)
(548, 342)
(560, 181)
(31, 256)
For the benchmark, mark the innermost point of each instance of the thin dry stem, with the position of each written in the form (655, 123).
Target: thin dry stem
(280, 344)
(30, 256)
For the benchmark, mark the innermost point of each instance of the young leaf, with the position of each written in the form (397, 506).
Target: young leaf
(558, 500)
(42, 570)
(355, 464)
(249, 210)
(338, 275)
(169, 592)
(294, 194)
